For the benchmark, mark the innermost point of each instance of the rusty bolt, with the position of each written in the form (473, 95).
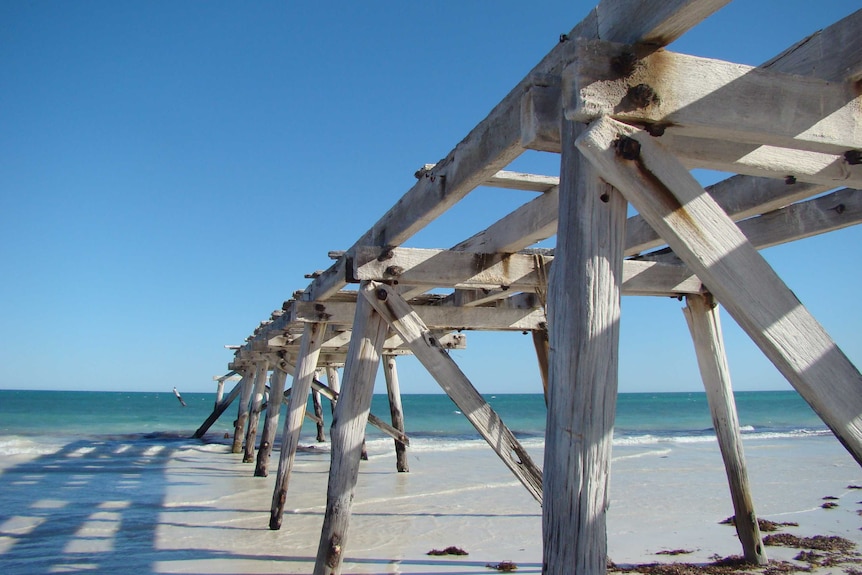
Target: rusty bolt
(624, 64)
(381, 294)
(655, 130)
(642, 95)
(393, 271)
(386, 254)
(628, 148)
(319, 307)
(853, 157)
(790, 180)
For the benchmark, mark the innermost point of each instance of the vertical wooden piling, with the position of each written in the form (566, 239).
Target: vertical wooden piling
(334, 384)
(309, 351)
(260, 370)
(701, 314)
(220, 408)
(583, 317)
(348, 433)
(540, 342)
(219, 393)
(247, 384)
(393, 389)
(270, 424)
(318, 413)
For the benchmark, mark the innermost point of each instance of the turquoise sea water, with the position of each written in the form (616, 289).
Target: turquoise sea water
(434, 419)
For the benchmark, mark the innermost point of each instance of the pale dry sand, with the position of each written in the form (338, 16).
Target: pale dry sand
(664, 497)
(193, 508)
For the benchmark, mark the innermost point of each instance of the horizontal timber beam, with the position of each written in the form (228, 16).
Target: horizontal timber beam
(512, 272)
(712, 99)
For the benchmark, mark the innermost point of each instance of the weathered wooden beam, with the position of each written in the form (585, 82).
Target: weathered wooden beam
(713, 99)
(521, 181)
(828, 170)
(220, 408)
(273, 413)
(834, 53)
(583, 320)
(828, 213)
(396, 411)
(840, 209)
(332, 395)
(242, 412)
(702, 235)
(514, 272)
(739, 196)
(530, 223)
(650, 23)
(404, 321)
(701, 314)
(541, 343)
(318, 414)
(348, 435)
(258, 389)
(305, 368)
(440, 317)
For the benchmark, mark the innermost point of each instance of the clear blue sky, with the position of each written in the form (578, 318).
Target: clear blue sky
(169, 171)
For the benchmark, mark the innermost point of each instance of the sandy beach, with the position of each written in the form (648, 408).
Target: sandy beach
(194, 508)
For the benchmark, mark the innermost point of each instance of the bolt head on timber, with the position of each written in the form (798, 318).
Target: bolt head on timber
(627, 148)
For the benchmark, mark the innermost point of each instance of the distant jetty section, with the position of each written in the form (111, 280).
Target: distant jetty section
(628, 119)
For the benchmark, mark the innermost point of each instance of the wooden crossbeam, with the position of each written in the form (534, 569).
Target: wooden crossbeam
(515, 272)
(702, 235)
(520, 181)
(713, 99)
(438, 318)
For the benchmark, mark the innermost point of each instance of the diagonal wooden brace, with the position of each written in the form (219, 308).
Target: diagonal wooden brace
(409, 326)
(714, 248)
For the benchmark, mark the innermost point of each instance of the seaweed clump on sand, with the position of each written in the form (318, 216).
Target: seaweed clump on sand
(819, 550)
(733, 565)
(765, 525)
(451, 550)
(505, 566)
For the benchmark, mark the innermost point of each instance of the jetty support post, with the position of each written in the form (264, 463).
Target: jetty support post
(583, 319)
(318, 413)
(540, 342)
(220, 408)
(334, 384)
(701, 314)
(219, 393)
(393, 389)
(309, 352)
(348, 433)
(407, 324)
(260, 370)
(273, 412)
(246, 387)
(713, 247)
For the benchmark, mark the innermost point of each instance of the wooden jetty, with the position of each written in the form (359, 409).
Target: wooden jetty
(628, 119)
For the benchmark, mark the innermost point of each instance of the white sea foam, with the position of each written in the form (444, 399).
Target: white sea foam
(17, 445)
